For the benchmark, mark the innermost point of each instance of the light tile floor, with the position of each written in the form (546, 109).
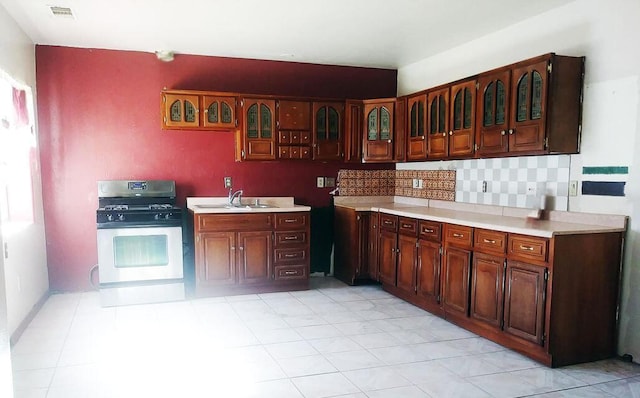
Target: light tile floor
(330, 341)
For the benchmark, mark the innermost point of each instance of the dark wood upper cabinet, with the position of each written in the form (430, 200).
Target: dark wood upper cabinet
(400, 133)
(417, 127)
(492, 115)
(528, 104)
(378, 130)
(462, 122)
(438, 123)
(328, 122)
(294, 115)
(353, 131)
(259, 135)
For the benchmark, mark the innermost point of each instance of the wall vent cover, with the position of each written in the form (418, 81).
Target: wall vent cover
(64, 12)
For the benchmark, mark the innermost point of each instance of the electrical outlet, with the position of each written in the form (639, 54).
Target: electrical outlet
(573, 188)
(227, 182)
(320, 182)
(414, 183)
(330, 182)
(420, 186)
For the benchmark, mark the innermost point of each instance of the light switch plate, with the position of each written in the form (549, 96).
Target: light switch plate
(320, 182)
(573, 188)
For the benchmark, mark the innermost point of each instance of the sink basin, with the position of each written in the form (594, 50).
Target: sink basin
(235, 207)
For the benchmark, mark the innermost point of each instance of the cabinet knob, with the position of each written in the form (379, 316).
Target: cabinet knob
(503, 132)
(422, 138)
(444, 134)
(451, 132)
(511, 131)
(389, 141)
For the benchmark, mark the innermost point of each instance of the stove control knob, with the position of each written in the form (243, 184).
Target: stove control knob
(156, 216)
(167, 216)
(120, 217)
(109, 217)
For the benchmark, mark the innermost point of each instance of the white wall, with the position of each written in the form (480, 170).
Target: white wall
(606, 33)
(26, 274)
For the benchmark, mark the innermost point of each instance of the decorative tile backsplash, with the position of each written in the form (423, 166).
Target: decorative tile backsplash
(436, 184)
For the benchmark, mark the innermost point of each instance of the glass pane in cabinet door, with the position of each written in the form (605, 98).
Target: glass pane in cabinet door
(536, 99)
(227, 114)
(189, 112)
(521, 105)
(467, 108)
(420, 118)
(212, 113)
(385, 123)
(442, 114)
(487, 119)
(457, 111)
(321, 124)
(433, 128)
(265, 121)
(334, 124)
(500, 102)
(414, 127)
(372, 125)
(252, 121)
(175, 113)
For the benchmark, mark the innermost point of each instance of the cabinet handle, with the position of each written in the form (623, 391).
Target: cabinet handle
(422, 138)
(387, 222)
(528, 248)
(389, 141)
(444, 134)
(290, 272)
(511, 131)
(290, 238)
(290, 255)
(241, 248)
(455, 235)
(503, 132)
(233, 248)
(407, 226)
(427, 230)
(493, 242)
(290, 220)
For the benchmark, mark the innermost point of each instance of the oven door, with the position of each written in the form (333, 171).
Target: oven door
(139, 254)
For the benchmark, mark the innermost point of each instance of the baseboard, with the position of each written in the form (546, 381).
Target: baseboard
(15, 336)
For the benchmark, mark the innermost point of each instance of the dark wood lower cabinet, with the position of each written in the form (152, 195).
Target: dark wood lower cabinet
(487, 288)
(429, 268)
(406, 268)
(215, 251)
(455, 289)
(387, 257)
(524, 301)
(255, 257)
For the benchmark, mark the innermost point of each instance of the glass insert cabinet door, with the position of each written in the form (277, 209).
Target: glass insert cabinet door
(417, 126)
(181, 110)
(328, 130)
(492, 117)
(438, 122)
(259, 136)
(528, 106)
(378, 130)
(219, 111)
(462, 123)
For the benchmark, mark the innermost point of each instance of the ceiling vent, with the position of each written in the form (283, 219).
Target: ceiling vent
(61, 12)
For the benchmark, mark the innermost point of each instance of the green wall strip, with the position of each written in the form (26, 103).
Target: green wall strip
(606, 170)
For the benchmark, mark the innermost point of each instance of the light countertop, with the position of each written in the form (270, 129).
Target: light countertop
(496, 218)
(217, 205)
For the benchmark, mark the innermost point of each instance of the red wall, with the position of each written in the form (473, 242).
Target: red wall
(99, 119)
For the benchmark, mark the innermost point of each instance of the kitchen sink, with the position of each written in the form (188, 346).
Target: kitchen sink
(235, 207)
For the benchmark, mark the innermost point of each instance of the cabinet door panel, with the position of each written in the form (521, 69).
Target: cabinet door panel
(259, 135)
(487, 288)
(406, 270)
(525, 301)
(181, 110)
(455, 295)
(353, 131)
(462, 122)
(254, 257)
(428, 273)
(328, 130)
(387, 253)
(400, 133)
(215, 253)
(219, 112)
(416, 128)
(294, 115)
(378, 134)
(528, 108)
(492, 113)
(438, 123)
(372, 254)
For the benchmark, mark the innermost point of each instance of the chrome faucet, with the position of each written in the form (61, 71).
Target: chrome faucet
(233, 195)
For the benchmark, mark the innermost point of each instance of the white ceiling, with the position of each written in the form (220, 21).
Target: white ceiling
(374, 33)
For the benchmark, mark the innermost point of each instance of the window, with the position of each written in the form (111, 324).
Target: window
(18, 152)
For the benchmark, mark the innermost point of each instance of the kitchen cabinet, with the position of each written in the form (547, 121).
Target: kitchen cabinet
(531, 108)
(438, 123)
(487, 276)
(353, 118)
(463, 118)
(378, 130)
(429, 263)
(372, 246)
(456, 269)
(294, 129)
(407, 255)
(417, 127)
(258, 141)
(525, 300)
(180, 110)
(351, 254)
(388, 249)
(328, 122)
(219, 112)
(244, 253)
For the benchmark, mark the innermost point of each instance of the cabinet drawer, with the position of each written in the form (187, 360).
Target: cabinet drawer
(389, 222)
(528, 247)
(290, 238)
(284, 137)
(234, 222)
(492, 241)
(298, 220)
(430, 230)
(291, 255)
(458, 235)
(408, 226)
(285, 272)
